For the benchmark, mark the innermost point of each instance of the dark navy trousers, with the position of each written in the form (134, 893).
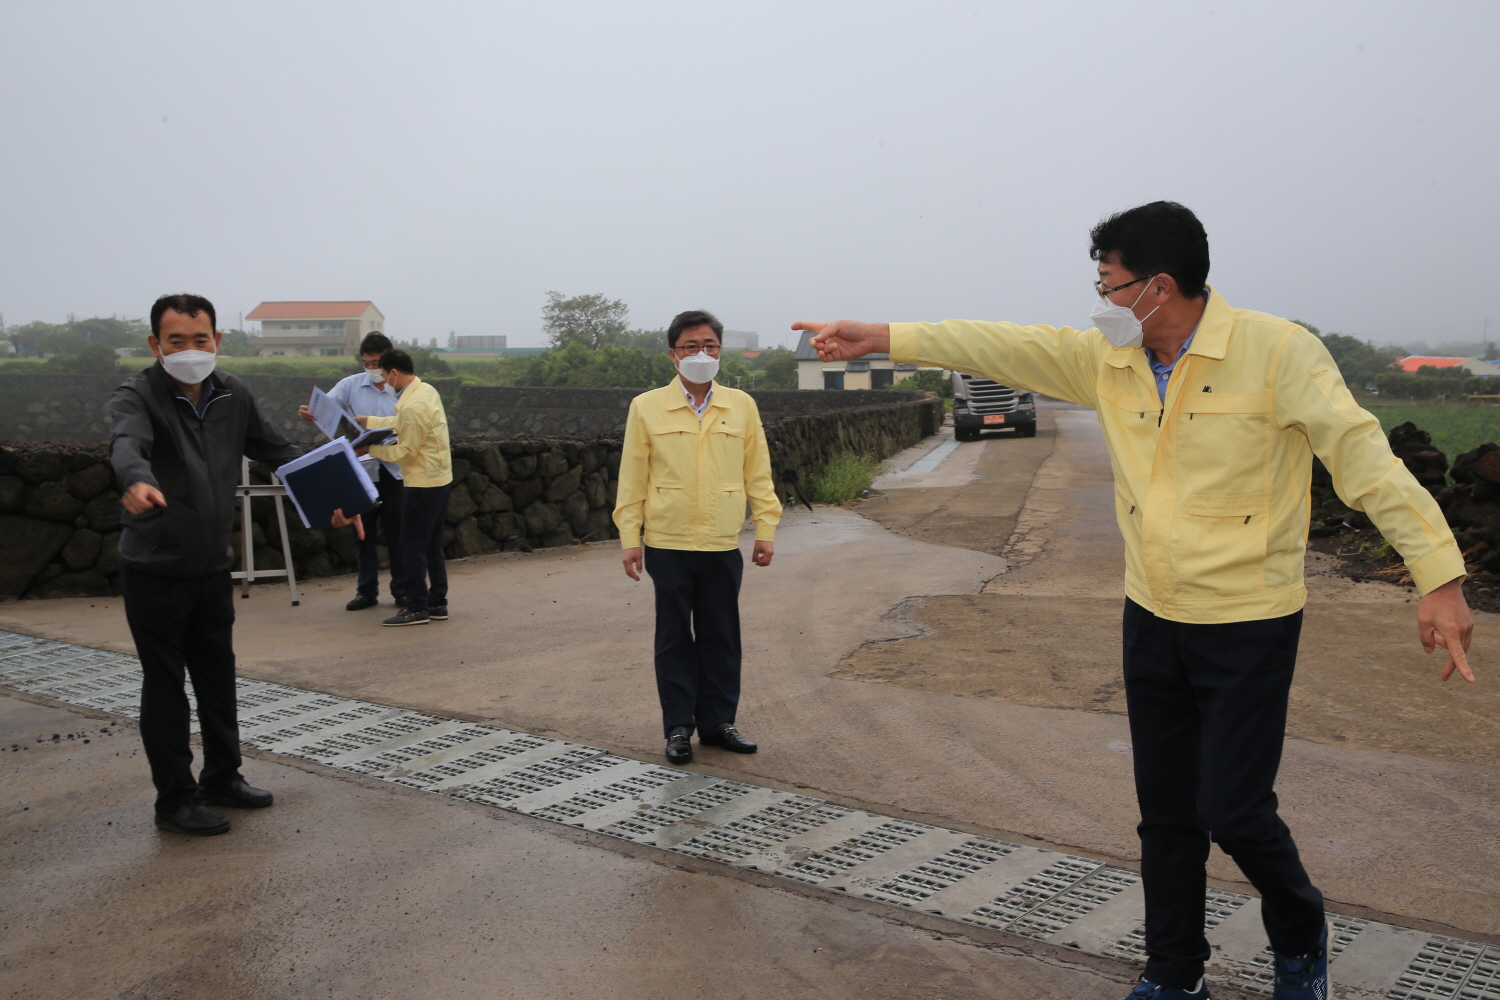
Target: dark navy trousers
(387, 517)
(425, 572)
(1207, 708)
(184, 628)
(697, 635)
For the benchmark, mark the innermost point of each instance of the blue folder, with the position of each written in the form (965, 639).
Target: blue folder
(327, 479)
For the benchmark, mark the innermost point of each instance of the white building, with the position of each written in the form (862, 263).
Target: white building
(873, 371)
(315, 329)
(741, 340)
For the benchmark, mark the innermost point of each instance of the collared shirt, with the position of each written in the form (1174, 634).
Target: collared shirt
(366, 399)
(210, 390)
(708, 397)
(1164, 372)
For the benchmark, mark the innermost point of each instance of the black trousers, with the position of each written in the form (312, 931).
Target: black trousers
(425, 571)
(184, 628)
(1207, 708)
(388, 518)
(697, 635)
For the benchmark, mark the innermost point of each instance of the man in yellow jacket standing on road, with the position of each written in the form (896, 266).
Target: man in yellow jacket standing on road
(422, 452)
(695, 453)
(1212, 416)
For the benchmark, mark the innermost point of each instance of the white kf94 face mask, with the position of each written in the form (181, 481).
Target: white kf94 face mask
(698, 367)
(189, 367)
(1118, 323)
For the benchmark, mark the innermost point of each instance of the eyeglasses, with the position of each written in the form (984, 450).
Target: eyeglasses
(682, 352)
(1099, 285)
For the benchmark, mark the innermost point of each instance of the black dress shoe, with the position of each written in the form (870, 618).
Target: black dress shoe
(438, 612)
(407, 617)
(728, 738)
(236, 795)
(194, 821)
(360, 602)
(679, 745)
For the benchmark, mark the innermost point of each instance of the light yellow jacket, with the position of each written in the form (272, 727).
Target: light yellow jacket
(686, 480)
(421, 447)
(1211, 487)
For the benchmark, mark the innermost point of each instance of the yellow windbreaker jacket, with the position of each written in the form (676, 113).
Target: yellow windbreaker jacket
(686, 480)
(421, 447)
(1212, 485)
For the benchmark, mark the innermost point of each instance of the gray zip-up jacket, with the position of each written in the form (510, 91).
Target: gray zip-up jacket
(156, 437)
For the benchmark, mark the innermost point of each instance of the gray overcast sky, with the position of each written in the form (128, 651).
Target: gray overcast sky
(770, 162)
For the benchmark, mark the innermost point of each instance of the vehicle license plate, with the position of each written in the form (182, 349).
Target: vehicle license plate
(994, 418)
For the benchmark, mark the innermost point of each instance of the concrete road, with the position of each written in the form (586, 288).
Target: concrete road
(353, 888)
(891, 660)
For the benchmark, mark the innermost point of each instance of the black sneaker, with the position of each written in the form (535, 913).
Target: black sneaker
(438, 612)
(193, 821)
(360, 602)
(407, 617)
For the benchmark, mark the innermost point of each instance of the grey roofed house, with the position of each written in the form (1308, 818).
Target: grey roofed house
(873, 371)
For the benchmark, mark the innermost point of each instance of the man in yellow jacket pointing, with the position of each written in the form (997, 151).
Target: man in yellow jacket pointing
(695, 454)
(1212, 416)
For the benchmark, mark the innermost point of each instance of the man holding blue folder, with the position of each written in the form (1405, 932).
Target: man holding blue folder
(422, 452)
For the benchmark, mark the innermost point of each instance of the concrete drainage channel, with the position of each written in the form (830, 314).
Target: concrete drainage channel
(1062, 899)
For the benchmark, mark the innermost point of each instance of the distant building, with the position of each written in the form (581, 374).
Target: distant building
(478, 347)
(741, 340)
(873, 371)
(314, 329)
(1474, 366)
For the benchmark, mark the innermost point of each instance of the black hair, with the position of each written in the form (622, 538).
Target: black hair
(182, 302)
(394, 359)
(1160, 238)
(688, 320)
(374, 343)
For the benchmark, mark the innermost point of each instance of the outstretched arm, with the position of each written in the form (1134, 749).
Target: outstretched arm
(846, 339)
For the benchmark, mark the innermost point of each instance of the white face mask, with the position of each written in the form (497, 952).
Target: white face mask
(377, 376)
(698, 367)
(189, 367)
(1118, 323)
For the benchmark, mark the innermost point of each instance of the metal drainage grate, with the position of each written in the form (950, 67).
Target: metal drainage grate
(700, 816)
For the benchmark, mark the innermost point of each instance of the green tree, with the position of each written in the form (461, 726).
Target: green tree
(236, 344)
(589, 320)
(778, 370)
(926, 380)
(650, 341)
(1358, 361)
(607, 367)
(427, 361)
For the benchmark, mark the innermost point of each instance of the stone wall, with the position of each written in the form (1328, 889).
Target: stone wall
(74, 409)
(60, 510)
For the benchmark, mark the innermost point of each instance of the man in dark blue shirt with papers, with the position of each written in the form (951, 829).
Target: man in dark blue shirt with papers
(177, 432)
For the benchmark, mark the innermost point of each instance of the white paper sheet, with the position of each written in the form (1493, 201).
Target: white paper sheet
(328, 413)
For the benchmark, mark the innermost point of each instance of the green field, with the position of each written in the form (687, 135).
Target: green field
(1455, 428)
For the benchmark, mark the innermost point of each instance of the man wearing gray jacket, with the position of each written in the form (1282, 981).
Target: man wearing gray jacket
(177, 432)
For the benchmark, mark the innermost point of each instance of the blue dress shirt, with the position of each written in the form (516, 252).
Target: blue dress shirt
(365, 399)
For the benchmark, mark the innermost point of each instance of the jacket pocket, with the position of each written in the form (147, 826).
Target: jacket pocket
(1221, 542)
(731, 511)
(667, 506)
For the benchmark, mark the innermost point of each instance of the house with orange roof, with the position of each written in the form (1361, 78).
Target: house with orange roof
(1474, 366)
(315, 329)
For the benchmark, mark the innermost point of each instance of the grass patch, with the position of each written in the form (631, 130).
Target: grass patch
(1455, 428)
(845, 478)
